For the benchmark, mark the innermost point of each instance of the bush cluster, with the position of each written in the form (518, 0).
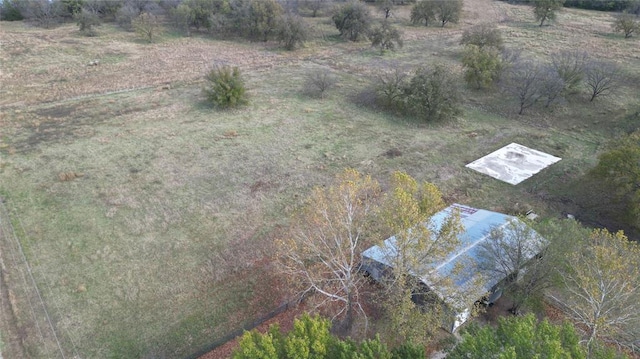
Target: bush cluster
(429, 94)
(442, 11)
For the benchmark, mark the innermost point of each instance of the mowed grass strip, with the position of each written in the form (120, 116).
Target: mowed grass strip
(146, 214)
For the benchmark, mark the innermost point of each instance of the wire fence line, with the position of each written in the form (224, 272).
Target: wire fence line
(248, 326)
(34, 321)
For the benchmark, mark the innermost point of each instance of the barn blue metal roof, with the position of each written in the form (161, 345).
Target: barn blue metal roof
(460, 266)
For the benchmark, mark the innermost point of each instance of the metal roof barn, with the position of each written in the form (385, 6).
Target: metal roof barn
(466, 283)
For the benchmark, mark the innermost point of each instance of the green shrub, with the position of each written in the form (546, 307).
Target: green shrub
(481, 66)
(292, 31)
(423, 11)
(147, 26)
(261, 21)
(386, 37)
(225, 88)
(483, 35)
(431, 94)
(311, 338)
(353, 20)
(87, 21)
(9, 11)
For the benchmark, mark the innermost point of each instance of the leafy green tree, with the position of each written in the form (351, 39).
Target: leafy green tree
(519, 337)
(601, 288)
(423, 10)
(263, 19)
(546, 9)
(386, 7)
(11, 10)
(627, 23)
(386, 37)
(430, 94)
(618, 172)
(408, 350)
(482, 66)
(483, 35)
(87, 21)
(292, 31)
(224, 87)
(72, 7)
(448, 11)
(433, 95)
(310, 338)
(316, 6)
(353, 20)
(183, 17)
(200, 14)
(406, 211)
(258, 346)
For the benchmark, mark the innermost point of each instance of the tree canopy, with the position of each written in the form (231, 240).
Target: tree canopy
(602, 286)
(519, 337)
(310, 339)
(546, 9)
(353, 20)
(618, 172)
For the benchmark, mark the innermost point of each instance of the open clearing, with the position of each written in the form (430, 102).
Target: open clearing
(146, 217)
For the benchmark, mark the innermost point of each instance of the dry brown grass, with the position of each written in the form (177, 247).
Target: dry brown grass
(166, 237)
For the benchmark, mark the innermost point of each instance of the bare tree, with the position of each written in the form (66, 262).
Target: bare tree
(552, 86)
(87, 21)
(523, 82)
(318, 83)
(512, 252)
(390, 88)
(322, 253)
(147, 26)
(602, 287)
(601, 78)
(627, 23)
(570, 66)
(43, 12)
(546, 9)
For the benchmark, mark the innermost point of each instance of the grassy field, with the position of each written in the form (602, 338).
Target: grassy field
(146, 217)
